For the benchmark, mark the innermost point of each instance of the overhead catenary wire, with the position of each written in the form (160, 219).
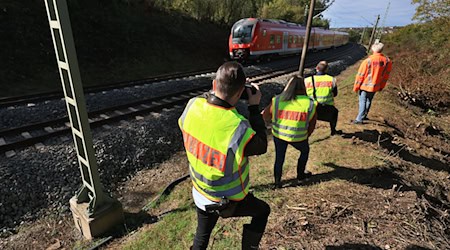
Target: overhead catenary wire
(342, 15)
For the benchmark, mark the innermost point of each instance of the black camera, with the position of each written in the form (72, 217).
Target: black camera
(217, 207)
(244, 95)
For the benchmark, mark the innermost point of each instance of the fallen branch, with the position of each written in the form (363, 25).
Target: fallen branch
(338, 213)
(297, 208)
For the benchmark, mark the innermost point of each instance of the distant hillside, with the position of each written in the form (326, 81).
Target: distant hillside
(114, 42)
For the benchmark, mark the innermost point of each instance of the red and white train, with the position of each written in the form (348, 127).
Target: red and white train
(253, 38)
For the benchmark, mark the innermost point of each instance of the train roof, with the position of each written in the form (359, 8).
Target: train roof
(282, 23)
(278, 22)
(252, 20)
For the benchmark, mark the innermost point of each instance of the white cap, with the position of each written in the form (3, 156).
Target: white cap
(377, 47)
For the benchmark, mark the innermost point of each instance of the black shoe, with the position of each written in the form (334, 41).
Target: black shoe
(250, 239)
(304, 175)
(365, 119)
(357, 122)
(336, 132)
(277, 183)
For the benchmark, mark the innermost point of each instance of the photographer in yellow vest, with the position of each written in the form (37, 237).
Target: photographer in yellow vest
(322, 88)
(218, 141)
(293, 116)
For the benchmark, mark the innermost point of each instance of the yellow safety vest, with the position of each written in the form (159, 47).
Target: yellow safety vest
(324, 88)
(290, 119)
(214, 139)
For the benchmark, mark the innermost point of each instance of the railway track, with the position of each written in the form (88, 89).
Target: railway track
(33, 134)
(20, 100)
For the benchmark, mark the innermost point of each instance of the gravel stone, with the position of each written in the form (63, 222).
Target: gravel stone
(39, 182)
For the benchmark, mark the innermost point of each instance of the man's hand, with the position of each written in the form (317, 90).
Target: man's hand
(253, 99)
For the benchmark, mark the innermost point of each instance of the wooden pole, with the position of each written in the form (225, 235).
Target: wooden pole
(306, 41)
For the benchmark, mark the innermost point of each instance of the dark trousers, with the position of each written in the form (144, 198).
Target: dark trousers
(280, 154)
(328, 113)
(249, 206)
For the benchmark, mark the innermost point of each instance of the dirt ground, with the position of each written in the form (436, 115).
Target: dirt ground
(381, 185)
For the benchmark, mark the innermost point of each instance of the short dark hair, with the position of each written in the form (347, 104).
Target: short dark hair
(322, 66)
(295, 85)
(230, 78)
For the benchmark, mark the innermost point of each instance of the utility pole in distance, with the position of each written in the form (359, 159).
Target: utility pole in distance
(94, 212)
(306, 41)
(373, 34)
(362, 36)
(383, 23)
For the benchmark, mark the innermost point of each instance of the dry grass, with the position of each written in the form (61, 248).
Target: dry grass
(361, 196)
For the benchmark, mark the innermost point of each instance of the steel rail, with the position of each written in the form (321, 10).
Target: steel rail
(24, 99)
(135, 108)
(18, 100)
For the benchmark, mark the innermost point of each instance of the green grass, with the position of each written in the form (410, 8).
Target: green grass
(174, 231)
(335, 159)
(177, 229)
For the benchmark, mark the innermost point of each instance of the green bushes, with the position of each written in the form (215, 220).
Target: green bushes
(429, 35)
(226, 12)
(421, 55)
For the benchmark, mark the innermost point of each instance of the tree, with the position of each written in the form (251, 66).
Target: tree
(293, 11)
(283, 9)
(354, 35)
(319, 22)
(431, 9)
(226, 12)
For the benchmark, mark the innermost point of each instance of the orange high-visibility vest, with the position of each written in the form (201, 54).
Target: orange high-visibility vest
(373, 73)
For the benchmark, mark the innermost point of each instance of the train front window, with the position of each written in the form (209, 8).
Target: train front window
(242, 33)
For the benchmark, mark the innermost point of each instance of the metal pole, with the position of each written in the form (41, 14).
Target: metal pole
(373, 34)
(383, 23)
(306, 41)
(94, 211)
(362, 36)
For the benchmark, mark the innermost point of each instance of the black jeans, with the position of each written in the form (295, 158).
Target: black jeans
(280, 154)
(249, 206)
(328, 113)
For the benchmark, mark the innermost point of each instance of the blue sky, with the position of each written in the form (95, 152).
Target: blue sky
(361, 13)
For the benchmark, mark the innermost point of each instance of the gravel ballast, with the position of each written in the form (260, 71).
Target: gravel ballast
(39, 182)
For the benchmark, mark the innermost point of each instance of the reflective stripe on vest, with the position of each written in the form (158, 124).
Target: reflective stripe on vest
(215, 195)
(216, 159)
(290, 119)
(221, 181)
(369, 73)
(377, 66)
(324, 88)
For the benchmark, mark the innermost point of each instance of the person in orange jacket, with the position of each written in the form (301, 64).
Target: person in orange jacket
(372, 77)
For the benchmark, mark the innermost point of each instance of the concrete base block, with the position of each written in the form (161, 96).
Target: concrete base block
(106, 218)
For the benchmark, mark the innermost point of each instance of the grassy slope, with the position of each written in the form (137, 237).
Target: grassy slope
(364, 194)
(377, 185)
(115, 42)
